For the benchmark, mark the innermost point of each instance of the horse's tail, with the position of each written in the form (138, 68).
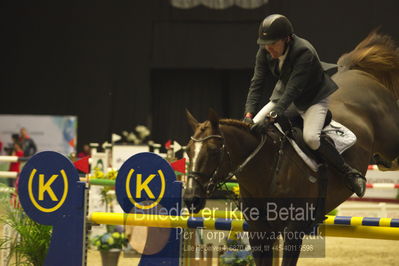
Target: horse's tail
(377, 55)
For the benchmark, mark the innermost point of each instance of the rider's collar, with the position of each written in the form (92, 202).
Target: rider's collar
(284, 55)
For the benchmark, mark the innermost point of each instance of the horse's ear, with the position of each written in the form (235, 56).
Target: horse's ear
(191, 120)
(213, 117)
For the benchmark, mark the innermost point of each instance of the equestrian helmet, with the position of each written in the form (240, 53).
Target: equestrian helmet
(273, 28)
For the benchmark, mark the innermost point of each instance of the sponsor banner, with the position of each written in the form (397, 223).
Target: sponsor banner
(49, 132)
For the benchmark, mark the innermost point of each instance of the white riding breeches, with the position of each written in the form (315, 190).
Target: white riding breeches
(313, 120)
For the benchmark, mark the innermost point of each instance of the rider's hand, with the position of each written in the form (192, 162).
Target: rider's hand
(261, 126)
(248, 118)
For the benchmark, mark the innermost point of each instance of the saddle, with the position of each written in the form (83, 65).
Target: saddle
(339, 135)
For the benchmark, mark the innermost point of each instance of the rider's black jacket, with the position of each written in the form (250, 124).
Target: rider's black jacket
(302, 78)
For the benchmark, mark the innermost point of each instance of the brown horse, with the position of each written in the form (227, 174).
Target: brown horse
(368, 78)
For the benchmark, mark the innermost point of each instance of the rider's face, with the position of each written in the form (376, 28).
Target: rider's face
(276, 49)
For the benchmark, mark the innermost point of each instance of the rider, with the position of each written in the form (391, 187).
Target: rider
(301, 84)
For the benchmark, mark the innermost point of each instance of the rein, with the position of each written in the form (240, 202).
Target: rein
(208, 137)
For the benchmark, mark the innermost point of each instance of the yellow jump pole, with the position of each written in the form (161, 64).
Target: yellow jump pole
(364, 221)
(331, 220)
(359, 231)
(165, 221)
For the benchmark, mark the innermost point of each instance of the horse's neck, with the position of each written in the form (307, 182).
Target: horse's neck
(239, 143)
(257, 175)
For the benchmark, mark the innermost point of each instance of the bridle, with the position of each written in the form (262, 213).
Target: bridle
(215, 179)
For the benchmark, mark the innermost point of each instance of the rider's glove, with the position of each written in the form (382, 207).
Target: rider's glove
(248, 118)
(261, 126)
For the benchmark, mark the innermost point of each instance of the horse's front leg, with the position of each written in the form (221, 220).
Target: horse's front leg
(261, 236)
(293, 237)
(262, 247)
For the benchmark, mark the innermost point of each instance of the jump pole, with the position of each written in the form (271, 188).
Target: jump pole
(165, 221)
(232, 186)
(13, 159)
(8, 174)
(99, 182)
(331, 220)
(358, 231)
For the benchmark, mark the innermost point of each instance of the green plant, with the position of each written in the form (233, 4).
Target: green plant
(112, 239)
(106, 197)
(29, 244)
(236, 253)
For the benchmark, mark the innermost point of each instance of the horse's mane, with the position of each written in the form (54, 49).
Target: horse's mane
(235, 123)
(377, 55)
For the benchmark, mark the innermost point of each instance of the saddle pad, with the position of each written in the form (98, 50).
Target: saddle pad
(342, 137)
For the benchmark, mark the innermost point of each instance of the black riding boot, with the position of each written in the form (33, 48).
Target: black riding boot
(330, 155)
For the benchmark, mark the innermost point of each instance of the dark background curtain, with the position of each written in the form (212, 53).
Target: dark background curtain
(119, 64)
(197, 90)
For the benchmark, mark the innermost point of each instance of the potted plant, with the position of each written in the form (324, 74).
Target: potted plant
(113, 240)
(107, 198)
(236, 253)
(28, 241)
(110, 245)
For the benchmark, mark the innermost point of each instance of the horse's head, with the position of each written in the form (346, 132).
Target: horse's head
(205, 151)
